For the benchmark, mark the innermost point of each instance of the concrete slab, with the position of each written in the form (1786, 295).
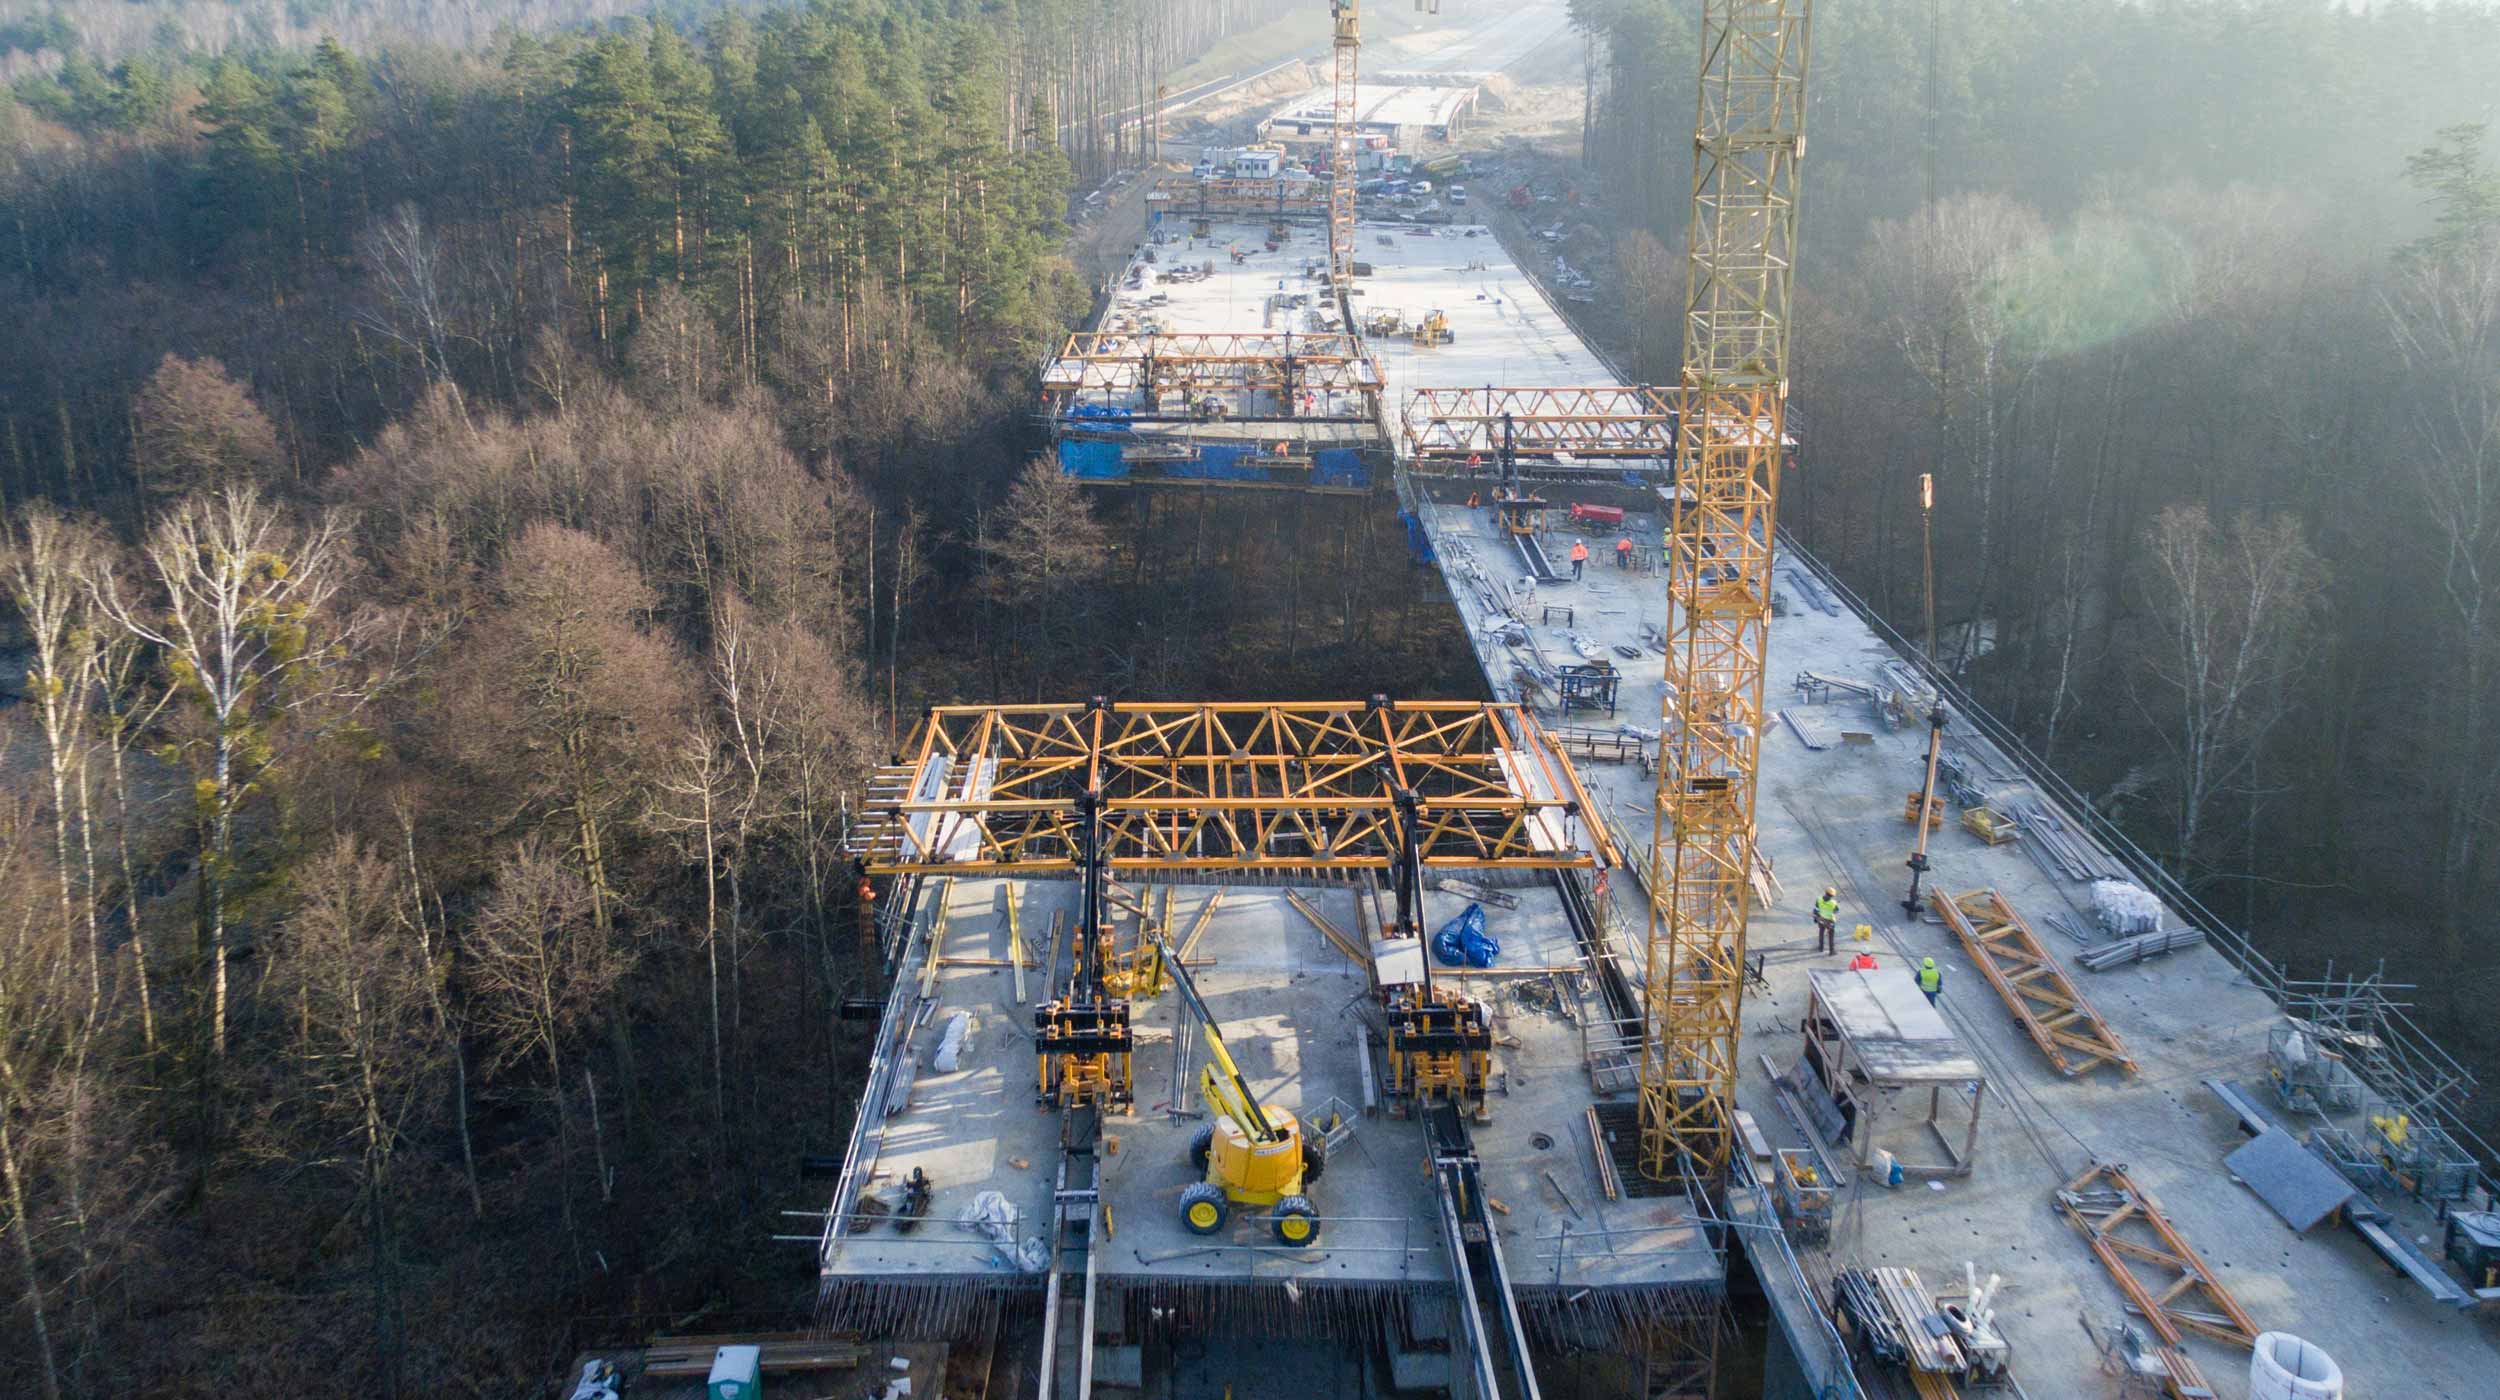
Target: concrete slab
(1290, 1005)
(1834, 817)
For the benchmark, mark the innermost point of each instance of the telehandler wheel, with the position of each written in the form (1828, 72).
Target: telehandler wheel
(1297, 1222)
(1314, 1154)
(1200, 1144)
(1203, 1209)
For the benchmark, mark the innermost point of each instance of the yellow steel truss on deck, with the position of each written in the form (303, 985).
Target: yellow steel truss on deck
(1730, 441)
(1307, 787)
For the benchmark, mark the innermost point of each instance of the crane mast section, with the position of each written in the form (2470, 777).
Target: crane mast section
(1730, 437)
(1349, 43)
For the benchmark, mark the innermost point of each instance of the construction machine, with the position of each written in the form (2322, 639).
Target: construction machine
(1440, 1047)
(1433, 329)
(1249, 1153)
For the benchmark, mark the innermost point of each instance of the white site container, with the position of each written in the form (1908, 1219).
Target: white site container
(2286, 1368)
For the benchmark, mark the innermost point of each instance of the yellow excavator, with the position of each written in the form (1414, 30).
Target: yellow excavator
(1249, 1153)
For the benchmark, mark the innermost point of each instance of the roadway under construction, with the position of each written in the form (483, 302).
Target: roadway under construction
(1556, 1159)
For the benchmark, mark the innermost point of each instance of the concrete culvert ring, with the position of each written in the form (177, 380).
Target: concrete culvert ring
(1541, 1141)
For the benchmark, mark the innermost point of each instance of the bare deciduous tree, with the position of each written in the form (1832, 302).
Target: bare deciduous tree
(197, 428)
(2237, 611)
(417, 310)
(2445, 313)
(239, 610)
(543, 971)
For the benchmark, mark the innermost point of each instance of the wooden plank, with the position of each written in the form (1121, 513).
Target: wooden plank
(2031, 984)
(1015, 942)
(1360, 956)
(937, 938)
(2218, 1314)
(1198, 926)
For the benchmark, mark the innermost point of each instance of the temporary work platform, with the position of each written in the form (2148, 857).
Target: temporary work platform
(1873, 1036)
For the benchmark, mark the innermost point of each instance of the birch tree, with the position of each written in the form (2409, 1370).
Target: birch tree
(2236, 611)
(45, 561)
(238, 609)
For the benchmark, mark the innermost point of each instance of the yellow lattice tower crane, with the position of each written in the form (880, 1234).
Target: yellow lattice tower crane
(1731, 432)
(1349, 42)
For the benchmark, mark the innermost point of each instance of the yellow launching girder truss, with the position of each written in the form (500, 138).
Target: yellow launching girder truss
(1730, 443)
(997, 789)
(1601, 420)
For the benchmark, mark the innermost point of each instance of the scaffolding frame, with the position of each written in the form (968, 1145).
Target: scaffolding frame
(1308, 786)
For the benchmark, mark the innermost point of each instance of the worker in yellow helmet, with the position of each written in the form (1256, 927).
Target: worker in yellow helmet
(1930, 979)
(1826, 917)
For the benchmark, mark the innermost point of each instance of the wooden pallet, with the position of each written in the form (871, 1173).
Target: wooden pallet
(2116, 1217)
(2034, 987)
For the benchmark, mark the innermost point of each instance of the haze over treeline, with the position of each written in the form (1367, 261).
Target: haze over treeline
(2193, 310)
(594, 437)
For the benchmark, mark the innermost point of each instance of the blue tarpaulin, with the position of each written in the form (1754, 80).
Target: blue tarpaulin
(1416, 538)
(1462, 942)
(1104, 458)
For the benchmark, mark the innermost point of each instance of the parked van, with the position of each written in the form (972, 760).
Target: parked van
(1458, 194)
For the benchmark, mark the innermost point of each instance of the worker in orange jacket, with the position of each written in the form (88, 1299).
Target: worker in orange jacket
(1579, 558)
(1623, 552)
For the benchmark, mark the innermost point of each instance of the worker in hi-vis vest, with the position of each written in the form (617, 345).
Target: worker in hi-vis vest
(1826, 918)
(1930, 979)
(1579, 557)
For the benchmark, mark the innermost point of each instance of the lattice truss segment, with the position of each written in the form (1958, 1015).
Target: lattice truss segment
(1608, 420)
(2133, 1239)
(1349, 43)
(1309, 786)
(1123, 363)
(1748, 138)
(2047, 1004)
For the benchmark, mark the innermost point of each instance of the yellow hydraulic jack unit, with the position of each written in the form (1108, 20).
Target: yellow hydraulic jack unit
(1249, 1153)
(1083, 1037)
(1521, 514)
(1440, 1040)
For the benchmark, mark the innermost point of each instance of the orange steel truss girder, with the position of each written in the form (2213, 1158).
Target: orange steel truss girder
(1348, 40)
(1603, 420)
(1306, 786)
(1731, 427)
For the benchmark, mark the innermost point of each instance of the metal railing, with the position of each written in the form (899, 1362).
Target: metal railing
(1821, 1354)
(2406, 1041)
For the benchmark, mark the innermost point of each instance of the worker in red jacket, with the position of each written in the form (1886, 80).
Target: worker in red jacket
(1579, 558)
